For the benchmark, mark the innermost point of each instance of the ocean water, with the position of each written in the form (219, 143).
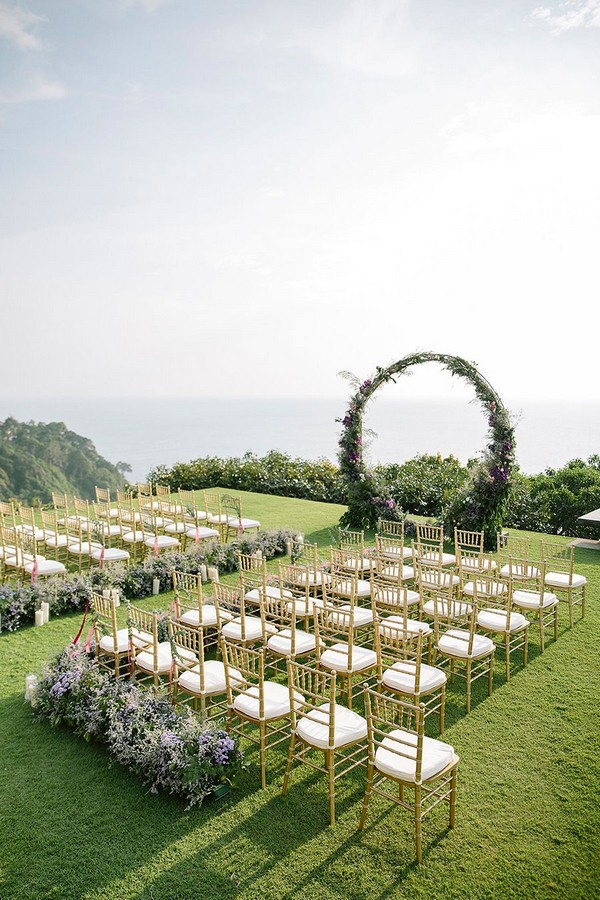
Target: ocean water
(146, 432)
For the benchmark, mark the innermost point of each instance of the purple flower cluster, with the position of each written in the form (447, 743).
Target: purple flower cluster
(62, 685)
(224, 747)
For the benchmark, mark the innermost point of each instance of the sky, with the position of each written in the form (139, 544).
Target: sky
(242, 198)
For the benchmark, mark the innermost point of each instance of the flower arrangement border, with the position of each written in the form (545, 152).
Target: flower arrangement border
(479, 505)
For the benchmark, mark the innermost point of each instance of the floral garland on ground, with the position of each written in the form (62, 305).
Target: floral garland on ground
(70, 593)
(171, 749)
(480, 503)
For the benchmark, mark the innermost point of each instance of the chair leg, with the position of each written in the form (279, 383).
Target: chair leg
(418, 821)
(263, 754)
(507, 654)
(453, 798)
(367, 797)
(442, 707)
(491, 674)
(331, 772)
(468, 685)
(288, 768)
(570, 600)
(556, 620)
(526, 648)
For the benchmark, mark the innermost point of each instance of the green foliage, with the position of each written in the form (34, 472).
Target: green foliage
(424, 484)
(38, 458)
(554, 500)
(275, 473)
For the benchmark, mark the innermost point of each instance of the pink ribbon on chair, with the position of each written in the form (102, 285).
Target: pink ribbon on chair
(35, 570)
(197, 538)
(78, 635)
(88, 640)
(101, 560)
(156, 544)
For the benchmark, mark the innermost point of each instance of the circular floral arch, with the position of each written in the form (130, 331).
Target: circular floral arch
(479, 504)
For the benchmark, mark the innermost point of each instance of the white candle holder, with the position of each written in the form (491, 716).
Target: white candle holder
(155, 586)
(39, 618)
(213, 573)
(203, 573)
(31, 688)
(106, 593)
(288, 548)
(45, 608)
(115, 596)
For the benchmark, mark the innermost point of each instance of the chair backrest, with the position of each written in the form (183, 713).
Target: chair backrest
(189, 596)
(459, 616)
(390, 528)
(526, 575)
(399, 724)
(511, 546)
(162, 491)
(104, 620)
(318, 689)
(191, 640)
(339, 586)
(49, 519)
(346, 562)
(251, 666)
(490, 592)
(471, 561)
(143, 631)
(387, 569)
(334, 625)
(81, 508)
(559, 557)
(253, 570)
(468, 540)
(102, 495)
(398, 647)
(280, 612)
(8, 513)
(389, 598)
(27, 518)
(433, 580)
(212, 503)
(306, 554)
(145, 495)
(430, 539)
(296, 579)
(60, 502)
(125, 498)
(353, 541)
(390, 547)
(9, 535)
(230, 599)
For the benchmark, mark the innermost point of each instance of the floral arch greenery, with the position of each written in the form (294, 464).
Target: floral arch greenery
(479, 505)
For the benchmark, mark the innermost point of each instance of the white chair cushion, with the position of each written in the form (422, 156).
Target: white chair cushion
(336, 658)
(519, 572)
(45, 567)
(406, 573)
(282, 642)
(57, 540)
(253, 596)
(192, 616)
(412, 625)
(491, 589)
(111, 554)
(276, 701)
(361, 563)
(444, 581)
(395, 552)
(457, 608)
(133, 537)
(455, 642)
(448, 559)
(349, 727)
(345, 588)
(145, 659)
(254, 631)
(164, 540)
(390, 758)
(401, 677)
(315, 579)
(533, 599)
(200, 533)
(86, 548)
(141, 639)
(303, 607)
(562, 580)
(112, 513)
(177, 528)
(495, 620)
(107, 643)
(235, 522)
(413, 598)
(217, 520)
(214, 678)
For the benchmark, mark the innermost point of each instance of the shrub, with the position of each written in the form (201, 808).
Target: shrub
(171, 750)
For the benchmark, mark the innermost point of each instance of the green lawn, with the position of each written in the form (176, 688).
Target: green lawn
(528, 814)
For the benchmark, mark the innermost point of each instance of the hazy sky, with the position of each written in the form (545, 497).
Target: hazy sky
(243, 198)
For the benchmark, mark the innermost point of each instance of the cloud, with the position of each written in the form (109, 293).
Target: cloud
(38, 88)
(370, 37)
(568, 15)
(147, 5)
(15, 25)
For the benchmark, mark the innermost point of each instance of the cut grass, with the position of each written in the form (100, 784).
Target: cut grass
(528, 815)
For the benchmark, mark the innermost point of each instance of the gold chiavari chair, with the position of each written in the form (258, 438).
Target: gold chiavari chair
(288, 641)
(8, 514)
(471, 563)
(81, 511)
(338, 647)
(394, 570)
(60, 503)
(81, 546)
(110, 530)
(530, 596)
(457, 644)
(401, 670)
(189, 502)
(340, 590)
(154, 542)
(295, 580)
(112, 642)
(192, 608)
(307, 554)
(560, 577)
(508, 629)
(104, 499)
(102, 553)
(325, 726)
(254, 580)
(241, 627)
(55, 537)
(429, 545)
(400, 751)
(514, 548)
(145, 497)
(237, 524)
(199, 679)
(344, 575)
(215, 515)
(435, 583)
(150, 659)
(360, 561)
(132, 536)
(392, 604)
(389, 528)
(28, 524)
(126, 505)
(254, 702)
